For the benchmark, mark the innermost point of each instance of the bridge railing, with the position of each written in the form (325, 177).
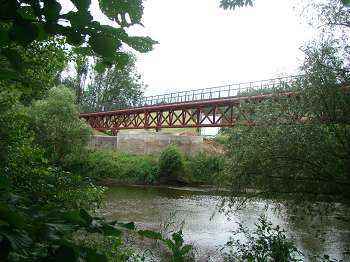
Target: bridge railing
(225, 91)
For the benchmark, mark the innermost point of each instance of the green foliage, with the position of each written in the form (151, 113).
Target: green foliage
(112, 247)
(13, 127)
(171, 163)
(57, 127)
(25, 22)
(205, 168)
(346, 2)
(299, 145)
(39, 203)
(39, 65)
(113, 89)
(32, 233)
(265, 243)
(122, 167)
(52, 187)
(221, 138)
(175, 244)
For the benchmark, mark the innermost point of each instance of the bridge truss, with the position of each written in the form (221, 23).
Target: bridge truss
(212, 107)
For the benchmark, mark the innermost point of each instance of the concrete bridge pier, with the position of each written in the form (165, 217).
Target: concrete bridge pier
(147, 143)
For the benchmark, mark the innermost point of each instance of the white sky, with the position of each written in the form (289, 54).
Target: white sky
(202, 45)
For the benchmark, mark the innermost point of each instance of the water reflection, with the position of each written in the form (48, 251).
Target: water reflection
(148, 207)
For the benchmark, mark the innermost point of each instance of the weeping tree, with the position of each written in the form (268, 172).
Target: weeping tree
(299, 146)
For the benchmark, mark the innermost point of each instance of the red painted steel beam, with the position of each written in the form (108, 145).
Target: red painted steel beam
(188, 105)
(218, 112)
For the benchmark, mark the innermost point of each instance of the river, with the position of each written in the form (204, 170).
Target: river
(208, 230)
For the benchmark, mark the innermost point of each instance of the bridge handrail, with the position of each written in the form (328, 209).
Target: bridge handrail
(220, 90)
(217, 92)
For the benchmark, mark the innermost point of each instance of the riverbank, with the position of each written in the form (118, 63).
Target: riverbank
(127, 169)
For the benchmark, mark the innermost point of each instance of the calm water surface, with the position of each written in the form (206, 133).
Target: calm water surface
(208, 230)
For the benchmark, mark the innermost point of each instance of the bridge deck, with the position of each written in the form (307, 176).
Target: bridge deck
(170, 111)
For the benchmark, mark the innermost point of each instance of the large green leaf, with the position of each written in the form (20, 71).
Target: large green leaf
(151, 234)
(110, 230)
(73, 217)
(186, 249)
(125, 13)
(51, 10)
(130, 225)
(79, 19)
(100, 67)
(139, 43)
(104, 45)
(177, 237)
(74, 37)
(120, 59)
(86, 217)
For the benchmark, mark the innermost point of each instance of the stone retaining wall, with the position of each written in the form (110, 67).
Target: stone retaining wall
(147, 143)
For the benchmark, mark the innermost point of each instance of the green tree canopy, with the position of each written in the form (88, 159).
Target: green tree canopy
(23, 22)
(113, 89)
(57, 127)
(299, 145)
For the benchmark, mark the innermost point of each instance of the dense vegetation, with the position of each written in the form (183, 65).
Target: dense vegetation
(170, 167)
(299, 145)
(123, 168)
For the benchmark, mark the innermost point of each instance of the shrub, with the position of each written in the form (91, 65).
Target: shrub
(264, 243)
(171, 163)
(58, 129)
(204, 168)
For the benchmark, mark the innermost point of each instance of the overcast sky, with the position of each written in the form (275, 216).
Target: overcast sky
(202, 45)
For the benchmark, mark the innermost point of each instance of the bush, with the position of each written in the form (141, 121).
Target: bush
(204, 168)
(58, 129)
(171, 163)
(265, 243)
(124, 168)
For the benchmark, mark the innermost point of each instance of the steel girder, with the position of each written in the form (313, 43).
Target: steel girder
(212, 113)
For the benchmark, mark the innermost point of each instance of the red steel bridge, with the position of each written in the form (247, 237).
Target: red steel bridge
(209, 107)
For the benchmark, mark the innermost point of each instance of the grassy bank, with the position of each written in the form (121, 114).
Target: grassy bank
(125, 168)
(141, 169)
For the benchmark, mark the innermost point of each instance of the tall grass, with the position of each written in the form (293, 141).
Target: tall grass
(131, 169)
